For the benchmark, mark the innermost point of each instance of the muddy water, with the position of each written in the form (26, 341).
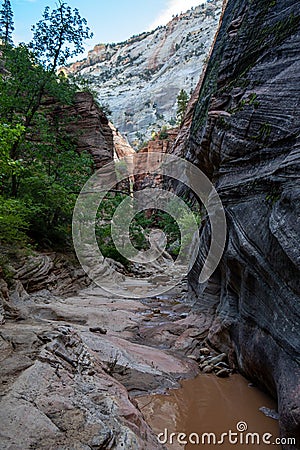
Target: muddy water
(210, 404)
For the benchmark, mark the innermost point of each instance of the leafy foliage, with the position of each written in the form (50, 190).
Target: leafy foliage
(141, 226)
(13, 221)
(182, 101)
(163, 134)
(59, 36)
(40, 169)
(6, 23)
(8, 135)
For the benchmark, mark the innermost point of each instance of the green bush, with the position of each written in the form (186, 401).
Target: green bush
(14, 222)
(141, 226)
(40, 171)
(163, 134)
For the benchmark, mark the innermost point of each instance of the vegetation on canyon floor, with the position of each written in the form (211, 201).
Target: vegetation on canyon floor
(41, 171)
(177, 232)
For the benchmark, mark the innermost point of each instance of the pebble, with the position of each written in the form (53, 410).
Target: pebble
(98, 330)
(214, 364)
(204, 364)
(217, 359)
(204, 351)
(223, 373)
(222, 365)
(269, 412)
(208, 369)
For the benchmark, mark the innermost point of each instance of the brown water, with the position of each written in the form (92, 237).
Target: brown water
(210, 404)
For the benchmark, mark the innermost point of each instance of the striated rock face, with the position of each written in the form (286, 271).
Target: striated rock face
(245, 137)
(49, 273)
(89, 125)
(144, 161)
(141, 77)
(92, 130)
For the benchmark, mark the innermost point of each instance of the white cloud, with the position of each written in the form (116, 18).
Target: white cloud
(173, 7)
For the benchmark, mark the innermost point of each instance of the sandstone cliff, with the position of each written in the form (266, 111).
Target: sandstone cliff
(144, 161)
(141, 77)
(245, 137)
(95, 135)
(91, 129)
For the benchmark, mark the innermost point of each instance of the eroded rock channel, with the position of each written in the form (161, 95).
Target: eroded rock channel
(69, 362)
(72, 364)
(76, 370)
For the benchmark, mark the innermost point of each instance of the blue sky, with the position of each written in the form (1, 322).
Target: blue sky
(110, 20)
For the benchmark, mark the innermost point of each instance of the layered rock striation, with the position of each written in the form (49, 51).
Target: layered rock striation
(140, 78)
(245, 137)
(85, 121)
(90, 128)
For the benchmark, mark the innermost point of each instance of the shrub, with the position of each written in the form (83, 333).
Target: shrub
(13, 221)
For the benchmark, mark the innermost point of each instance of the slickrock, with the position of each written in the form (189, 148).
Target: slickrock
(245, 137)
(61, 366)
(62, 397)
(140, 78)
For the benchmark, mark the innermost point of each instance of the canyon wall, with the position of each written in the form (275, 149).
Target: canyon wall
(91, 129)
(245, 137)
(89, 126)
(141, 77)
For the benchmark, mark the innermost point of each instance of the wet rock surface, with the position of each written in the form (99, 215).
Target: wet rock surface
(245, 138)
(70, 366)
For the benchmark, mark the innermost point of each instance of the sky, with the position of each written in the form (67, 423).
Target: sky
(109, 20)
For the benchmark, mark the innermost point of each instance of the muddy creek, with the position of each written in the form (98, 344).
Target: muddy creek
(208, 404)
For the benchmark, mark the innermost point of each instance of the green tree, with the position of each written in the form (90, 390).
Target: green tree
(163, 134)
(41, 172)
(13, 214)
(8, 134)
(24, 86)
(182, 102)
(31, 72)
(59, 36)
(13, 221)
(6, 23)
(142, 225)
